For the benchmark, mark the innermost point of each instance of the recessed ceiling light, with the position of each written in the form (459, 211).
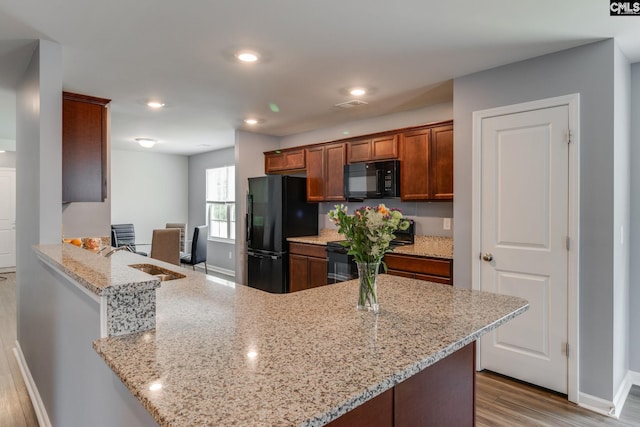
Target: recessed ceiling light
(251, 121)
(247, 56)
(155, 104)
(358, 91)
(146, 142)
(2, 151)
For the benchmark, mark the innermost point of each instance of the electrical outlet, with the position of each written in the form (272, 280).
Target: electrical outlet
(230, 254)
(446, 223)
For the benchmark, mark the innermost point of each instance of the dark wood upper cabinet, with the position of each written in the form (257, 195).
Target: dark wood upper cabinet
(377, 148)
(425, 154)
(414, 165)
(84, 148)
(426, 168)
(325, 172)
(441, 166)
(281, 161)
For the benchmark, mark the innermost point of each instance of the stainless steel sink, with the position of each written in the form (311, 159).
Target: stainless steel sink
(161, 273)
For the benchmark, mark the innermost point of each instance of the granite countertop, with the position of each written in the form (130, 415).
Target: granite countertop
(225, 354)
(425, 246)
(96, 273)
(325, 236)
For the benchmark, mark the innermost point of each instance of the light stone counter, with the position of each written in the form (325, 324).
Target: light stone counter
(224, 354)
(425, 246)
(428, 246)
(325, 236)
(127, 297)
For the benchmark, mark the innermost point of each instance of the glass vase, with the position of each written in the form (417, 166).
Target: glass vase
(368, 290)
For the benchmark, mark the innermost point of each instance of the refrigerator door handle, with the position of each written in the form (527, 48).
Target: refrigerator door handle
(249, 219)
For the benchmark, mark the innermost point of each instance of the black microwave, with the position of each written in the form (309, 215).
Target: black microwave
(372, 180)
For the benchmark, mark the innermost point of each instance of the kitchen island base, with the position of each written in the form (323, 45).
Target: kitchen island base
(440, 395)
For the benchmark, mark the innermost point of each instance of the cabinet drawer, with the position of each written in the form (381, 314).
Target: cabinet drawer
(418, 265)
(316, 251)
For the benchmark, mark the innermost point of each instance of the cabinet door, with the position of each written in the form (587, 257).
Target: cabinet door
(298, 273)
(334, 172)
(315, 174)
(441, 165)
(414, 165)
(284, 161)
(385, 147)
(317, 272)
(84, 135)
(359, 151)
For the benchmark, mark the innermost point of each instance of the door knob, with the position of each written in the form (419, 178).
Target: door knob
(487, 257)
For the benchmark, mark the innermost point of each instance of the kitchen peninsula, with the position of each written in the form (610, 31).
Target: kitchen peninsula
(226, 354)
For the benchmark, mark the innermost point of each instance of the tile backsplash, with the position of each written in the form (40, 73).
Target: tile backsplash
(428, 216)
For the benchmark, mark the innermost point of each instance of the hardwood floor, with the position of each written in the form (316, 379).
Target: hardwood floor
(500, 402)
(15, 406)
(503, 402)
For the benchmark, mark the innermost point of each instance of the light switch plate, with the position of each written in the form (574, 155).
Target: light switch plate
(446, 223)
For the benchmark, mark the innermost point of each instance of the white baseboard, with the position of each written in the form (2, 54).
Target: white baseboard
(221, 270)
(611, 409)
(34, 395)
(596, 404)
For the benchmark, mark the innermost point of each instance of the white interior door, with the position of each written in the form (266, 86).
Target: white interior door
(524, 230)
(7, 217)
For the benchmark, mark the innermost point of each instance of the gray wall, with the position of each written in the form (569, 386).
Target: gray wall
(634, 292)
(76, 387)
(249, 163)
(217, 252)
(621, 195)
(148, 190)
(587, 70)
(39, 199)
(8, 159)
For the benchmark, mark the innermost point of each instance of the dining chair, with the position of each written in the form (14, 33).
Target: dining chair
(165, 245)
(198, 249)
(124, 235)
(183, 231)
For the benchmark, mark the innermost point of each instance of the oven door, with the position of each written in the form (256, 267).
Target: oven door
(340, 266)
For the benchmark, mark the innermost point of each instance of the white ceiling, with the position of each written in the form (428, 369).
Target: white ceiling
(407, 51)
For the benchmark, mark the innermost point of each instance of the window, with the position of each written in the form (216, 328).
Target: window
(221, 202)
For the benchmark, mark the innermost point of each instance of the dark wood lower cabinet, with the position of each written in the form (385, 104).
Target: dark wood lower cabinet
(377, 412)
(307, 266)
(441, 395)
(422, 268)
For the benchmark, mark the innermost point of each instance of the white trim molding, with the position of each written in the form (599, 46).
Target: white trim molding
(632, 378)
(572, 101)
(32, 389)
(596, 404)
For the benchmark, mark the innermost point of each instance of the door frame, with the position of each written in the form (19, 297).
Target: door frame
(4, 168)
(573, 261)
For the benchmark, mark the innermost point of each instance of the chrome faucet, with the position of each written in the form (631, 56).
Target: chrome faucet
(102, 249)
(119, 248)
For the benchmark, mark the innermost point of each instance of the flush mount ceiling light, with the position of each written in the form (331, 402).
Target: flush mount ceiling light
(358, 91)
(146, 142)
(155, 104)
(253, 121)
(248, 56)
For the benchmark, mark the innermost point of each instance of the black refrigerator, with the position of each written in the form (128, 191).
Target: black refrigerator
(277, 208)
